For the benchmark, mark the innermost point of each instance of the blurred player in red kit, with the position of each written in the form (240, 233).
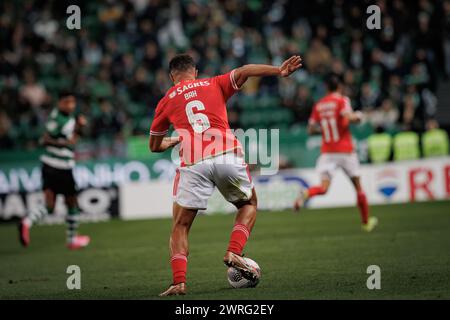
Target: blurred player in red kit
(211, 156)
(332, 117)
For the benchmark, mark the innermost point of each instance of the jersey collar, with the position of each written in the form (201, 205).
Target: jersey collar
(185, 81)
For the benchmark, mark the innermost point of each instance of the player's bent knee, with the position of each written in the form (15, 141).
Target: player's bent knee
(253, 202)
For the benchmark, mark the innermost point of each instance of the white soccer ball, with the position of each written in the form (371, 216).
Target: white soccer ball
(237, 280)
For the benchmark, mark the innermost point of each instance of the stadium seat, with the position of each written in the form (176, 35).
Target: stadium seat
(380, 146)
(406, 146)
(435, 143)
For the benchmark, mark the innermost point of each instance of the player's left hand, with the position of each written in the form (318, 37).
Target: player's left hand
(172, 141)
(176, 140)
(290, 66)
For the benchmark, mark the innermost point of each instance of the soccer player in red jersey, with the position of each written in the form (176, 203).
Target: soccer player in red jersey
(332, 117)
(211, 156)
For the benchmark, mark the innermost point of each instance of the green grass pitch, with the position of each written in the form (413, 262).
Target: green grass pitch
(318, 254)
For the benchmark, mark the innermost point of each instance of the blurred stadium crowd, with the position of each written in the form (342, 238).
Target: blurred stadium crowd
(117, 62)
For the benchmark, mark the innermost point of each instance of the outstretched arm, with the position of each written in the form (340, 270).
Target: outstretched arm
(354, 116)
(261, 70)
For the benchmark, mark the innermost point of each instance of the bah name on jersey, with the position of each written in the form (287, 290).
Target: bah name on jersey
(188, 86)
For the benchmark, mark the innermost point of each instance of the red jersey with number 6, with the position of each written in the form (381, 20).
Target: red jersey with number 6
(197, 110)
(329, 114)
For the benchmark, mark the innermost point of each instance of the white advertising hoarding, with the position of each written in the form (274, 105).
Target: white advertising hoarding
(400, 182)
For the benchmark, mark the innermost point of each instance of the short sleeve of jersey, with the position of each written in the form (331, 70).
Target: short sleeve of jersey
(227, 84)
(314, 118)
(160, 124)
(346, 106)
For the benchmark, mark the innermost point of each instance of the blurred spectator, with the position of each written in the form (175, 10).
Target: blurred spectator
(369, 97)
(33, 93)
(302, 104)
(5, 125)
(121, 53)
(92, 53)
(447, 37)
(385, 117)
(410, 119)
(431, 124)
(106, 123)
(46, 27)
(318, 57)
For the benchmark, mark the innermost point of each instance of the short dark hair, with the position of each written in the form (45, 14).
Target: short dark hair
(181, 62)
(65, 93)
(332, 81)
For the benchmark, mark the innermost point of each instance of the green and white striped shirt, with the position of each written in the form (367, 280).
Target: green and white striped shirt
(59, 126)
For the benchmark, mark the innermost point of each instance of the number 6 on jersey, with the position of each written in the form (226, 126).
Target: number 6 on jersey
(199, 121)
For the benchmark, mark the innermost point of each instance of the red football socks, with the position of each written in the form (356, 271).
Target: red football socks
(316, 191)
(179, 267)
(363, 207)
(239, 237)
